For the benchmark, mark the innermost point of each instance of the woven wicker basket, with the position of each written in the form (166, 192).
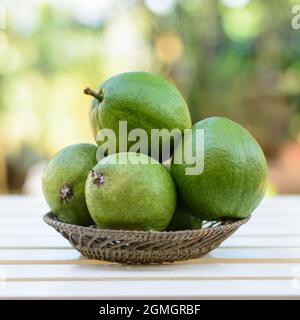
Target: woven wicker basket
(144, 247)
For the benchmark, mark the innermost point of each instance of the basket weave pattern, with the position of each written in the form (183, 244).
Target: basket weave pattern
(144, 247)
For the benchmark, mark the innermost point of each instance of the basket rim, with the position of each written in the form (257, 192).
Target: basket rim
(52, 220)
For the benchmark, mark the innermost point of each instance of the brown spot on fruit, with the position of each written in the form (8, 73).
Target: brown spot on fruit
(97, 178)
(66, 193)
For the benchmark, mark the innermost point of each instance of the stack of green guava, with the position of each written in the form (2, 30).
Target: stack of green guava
(117, 193)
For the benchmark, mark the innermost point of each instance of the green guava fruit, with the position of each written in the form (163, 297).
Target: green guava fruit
(125, 195)
(234, 178)
(183, 219)
(145, 101)
(64, 183)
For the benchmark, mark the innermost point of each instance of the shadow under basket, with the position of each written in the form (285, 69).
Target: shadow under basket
(144, 247)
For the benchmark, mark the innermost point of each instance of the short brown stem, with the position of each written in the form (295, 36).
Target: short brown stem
(90, 92)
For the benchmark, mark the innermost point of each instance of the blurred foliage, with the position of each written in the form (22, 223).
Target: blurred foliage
(233, 58)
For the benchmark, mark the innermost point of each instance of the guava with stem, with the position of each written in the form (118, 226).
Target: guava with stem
(145, 101)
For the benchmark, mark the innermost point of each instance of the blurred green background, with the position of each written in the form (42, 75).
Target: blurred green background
(233, 58)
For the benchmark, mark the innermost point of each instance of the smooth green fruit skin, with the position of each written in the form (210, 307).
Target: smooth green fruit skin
(69, 167)
(131, 196)
(184, 220)
(144, 100)
(234, 178)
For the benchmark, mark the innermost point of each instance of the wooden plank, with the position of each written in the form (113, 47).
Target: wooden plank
(55, 241)
(259, 241)
(27, 231)
(204, 289)
(113, 271)
(271, 211)
(261, 260)
(255, 253)
(219, 253)
(269, 230)
(38, 254)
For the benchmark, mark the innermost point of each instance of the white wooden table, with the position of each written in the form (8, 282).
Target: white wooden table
(261, 260)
